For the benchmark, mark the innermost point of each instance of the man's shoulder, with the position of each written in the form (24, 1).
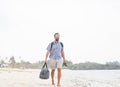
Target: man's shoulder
(61, 44)
(53, 42)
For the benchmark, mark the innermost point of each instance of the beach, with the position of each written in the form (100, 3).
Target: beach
(70, 78)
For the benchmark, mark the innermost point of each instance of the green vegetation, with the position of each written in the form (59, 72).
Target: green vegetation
(95, 66)
(80, 66)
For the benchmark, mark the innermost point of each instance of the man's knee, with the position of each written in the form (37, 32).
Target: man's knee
(53, 70)
(59, 69)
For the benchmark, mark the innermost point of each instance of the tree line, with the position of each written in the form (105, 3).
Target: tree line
(96, 66)
(78, 66)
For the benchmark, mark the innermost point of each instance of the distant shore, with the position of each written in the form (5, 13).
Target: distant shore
(114, 65)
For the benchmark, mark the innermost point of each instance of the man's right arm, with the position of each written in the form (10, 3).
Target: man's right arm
(47, 54)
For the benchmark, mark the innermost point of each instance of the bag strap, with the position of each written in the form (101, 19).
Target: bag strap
(61, 44)
(51, 46)
(53, 43)
(45, 65)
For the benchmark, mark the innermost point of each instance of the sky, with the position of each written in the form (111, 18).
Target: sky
(89, 29)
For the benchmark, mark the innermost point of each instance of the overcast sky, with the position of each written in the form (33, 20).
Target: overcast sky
(89, 29)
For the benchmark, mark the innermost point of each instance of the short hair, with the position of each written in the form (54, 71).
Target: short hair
(56, 34)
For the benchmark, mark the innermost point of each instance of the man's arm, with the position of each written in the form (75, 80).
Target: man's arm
(63, 55)
(47, 54)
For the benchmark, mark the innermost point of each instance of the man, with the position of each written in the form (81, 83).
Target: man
(56, 53)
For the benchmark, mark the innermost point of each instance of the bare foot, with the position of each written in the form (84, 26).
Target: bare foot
(58, 85)
(53, 85)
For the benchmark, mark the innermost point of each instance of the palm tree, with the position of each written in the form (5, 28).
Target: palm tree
(12, 62)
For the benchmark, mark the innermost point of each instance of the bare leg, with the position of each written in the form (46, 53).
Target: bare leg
(59, 76)
(52, 76)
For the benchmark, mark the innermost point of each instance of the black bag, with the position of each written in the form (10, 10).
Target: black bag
(44, 74)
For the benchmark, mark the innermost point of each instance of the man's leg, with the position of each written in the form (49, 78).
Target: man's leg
(52, 64)
(59, 76)
(59, 68)
(52, 76)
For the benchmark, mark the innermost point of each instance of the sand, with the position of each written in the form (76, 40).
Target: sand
(70, 78)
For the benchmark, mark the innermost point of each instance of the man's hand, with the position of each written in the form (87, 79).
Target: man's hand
(45, 61)
(65, 64)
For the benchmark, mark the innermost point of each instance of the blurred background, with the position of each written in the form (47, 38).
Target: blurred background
(89, 30)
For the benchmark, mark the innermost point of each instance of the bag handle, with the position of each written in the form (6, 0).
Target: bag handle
(45, 64)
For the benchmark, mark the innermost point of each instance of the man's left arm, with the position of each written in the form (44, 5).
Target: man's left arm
(63, 55)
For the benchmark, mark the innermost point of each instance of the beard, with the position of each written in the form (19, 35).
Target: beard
(57, 39)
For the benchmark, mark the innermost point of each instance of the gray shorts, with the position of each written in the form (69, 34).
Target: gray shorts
(53, 64)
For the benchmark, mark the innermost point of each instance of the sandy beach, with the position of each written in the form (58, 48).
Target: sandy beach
(70, 78)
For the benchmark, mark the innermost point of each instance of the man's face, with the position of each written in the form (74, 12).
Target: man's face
(57, 36)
